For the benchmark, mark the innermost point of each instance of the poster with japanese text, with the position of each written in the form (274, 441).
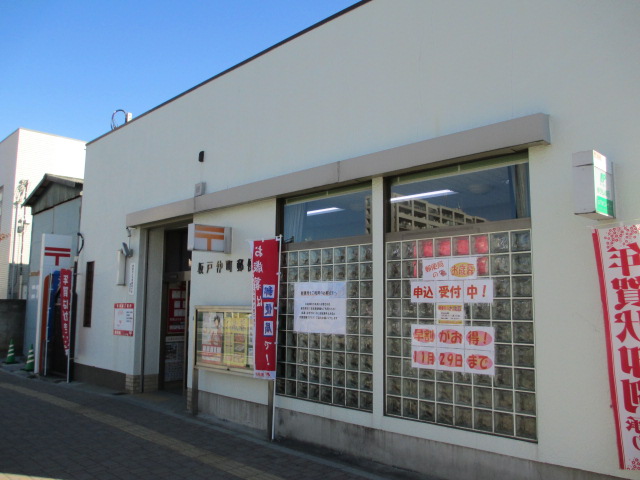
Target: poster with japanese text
(320, 307)
(617, 252)
(451, 280)
(212, 325)
(450, 268)
(450, 314)
(265, 261)
(452, 291)
(453, 348)
(123, 319)
(177, 311)
(236, 337)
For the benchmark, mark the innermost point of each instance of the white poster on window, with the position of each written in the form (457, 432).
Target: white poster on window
(320, 307)
(452, 291)
(450, 314)
(463, 268)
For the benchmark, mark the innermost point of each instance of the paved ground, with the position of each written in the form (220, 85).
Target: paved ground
(51, 429)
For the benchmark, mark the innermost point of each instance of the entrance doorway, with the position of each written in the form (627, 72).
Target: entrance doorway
(174, 333)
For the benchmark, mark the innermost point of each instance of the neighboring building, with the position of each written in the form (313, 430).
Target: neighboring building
(55, 203)
(25, 156)
(474, 107)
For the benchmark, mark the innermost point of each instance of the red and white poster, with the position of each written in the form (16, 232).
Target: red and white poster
(265, 261)
(56, 251)
(177, 311)
(618, 259)
(453, 348)
(65, 307)
(123, 319)
(452, 291)
(212, 337)
(450, 268)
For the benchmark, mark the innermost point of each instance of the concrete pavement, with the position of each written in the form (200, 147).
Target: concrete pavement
(51, 429)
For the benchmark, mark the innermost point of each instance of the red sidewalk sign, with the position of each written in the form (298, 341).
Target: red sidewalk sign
(265, 261)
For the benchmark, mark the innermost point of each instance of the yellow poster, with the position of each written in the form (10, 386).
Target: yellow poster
(236, 336)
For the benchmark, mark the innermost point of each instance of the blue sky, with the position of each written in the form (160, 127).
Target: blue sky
(67, 65)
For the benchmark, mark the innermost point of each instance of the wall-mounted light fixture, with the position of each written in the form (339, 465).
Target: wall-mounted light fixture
(121, 260)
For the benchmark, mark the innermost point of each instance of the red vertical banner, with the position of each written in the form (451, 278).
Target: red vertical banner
(265, 267)
(618, 258)
(65, 308)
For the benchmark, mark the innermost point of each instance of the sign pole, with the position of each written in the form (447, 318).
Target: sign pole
(272, 401)
(273, 382)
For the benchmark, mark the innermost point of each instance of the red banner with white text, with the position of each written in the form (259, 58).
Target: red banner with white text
(265, 267)
(65, 307)
(618, 259)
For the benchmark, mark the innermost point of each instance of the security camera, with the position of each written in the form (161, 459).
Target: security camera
(126, 251)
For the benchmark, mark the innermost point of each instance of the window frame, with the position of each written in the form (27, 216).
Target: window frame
(284, 202)
(450, 171)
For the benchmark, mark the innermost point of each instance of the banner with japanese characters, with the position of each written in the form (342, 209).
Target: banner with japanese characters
(265, 260)
(618, 259)
(65, 308)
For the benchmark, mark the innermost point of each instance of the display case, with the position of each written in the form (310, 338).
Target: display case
(224, 338)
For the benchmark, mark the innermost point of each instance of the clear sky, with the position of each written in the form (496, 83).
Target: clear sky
(67, 65)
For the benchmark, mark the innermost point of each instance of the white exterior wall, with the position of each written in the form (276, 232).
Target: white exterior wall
(8, 153)
(387, 74)
(28, 155)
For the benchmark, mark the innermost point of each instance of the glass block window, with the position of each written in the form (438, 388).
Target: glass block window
(328, 368)
(503, 404)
